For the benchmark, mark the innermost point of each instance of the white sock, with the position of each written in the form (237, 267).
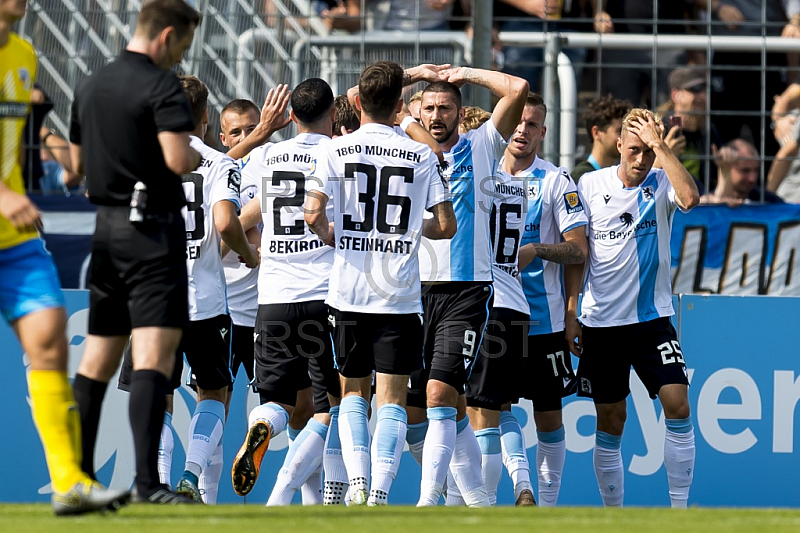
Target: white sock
(165, 447)
(515, 454)
(415, 437)
(333, 464)
(387, 450)
(550, 456)
(608, 468)
(466, 466)
(679, 452)
(354, 436)
(453, 496)
(312, 488)
(209, 478)
(302, 459)
(439, 443)
(205, 434)
(273, 414)
(491, 460)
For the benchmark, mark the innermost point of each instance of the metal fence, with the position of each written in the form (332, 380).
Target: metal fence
(245, 47)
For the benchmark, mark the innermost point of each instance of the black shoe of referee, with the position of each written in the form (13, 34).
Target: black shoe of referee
(163, 496)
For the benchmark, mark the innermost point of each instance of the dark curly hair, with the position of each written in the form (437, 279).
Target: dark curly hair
(602, 111)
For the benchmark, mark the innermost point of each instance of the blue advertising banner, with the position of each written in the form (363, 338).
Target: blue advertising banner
(752, 249)
(745, 385)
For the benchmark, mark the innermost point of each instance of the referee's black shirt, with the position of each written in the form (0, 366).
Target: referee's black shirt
(116, 117)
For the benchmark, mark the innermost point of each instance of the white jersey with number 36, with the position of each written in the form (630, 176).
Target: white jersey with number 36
(380, 185)
(217, 179)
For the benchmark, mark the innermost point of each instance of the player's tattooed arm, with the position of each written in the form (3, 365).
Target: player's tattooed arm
(572, 251)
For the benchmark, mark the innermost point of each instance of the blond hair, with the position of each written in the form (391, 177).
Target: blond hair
(640, 114)
(474, 117)
(416, 97)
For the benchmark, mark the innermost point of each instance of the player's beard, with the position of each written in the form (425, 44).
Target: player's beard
(446, 134)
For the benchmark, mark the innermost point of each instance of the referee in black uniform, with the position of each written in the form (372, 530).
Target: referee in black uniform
(130, 130)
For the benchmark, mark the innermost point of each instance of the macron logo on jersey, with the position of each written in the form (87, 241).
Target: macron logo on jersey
(573, 202)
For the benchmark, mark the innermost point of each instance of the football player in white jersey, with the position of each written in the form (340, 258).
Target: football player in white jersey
(292, 320)
(627, 301)
(536, 363)
(380, 184)
(211, 212)
(458, 281)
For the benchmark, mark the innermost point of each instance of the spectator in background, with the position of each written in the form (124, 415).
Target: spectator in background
(635, 83)
(336, 14)
(32, 170)
(345, 121)
(688, 101)
(474, 117)
(419, 15)
(736, 76)
(58, 174)
(784, 174)
(737, 178)
(603, 119)
(538, 16)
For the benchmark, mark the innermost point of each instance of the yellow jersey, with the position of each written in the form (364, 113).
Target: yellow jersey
(17, 73)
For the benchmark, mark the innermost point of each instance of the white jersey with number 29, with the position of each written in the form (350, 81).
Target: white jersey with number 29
(628, 278)
(217, 179)
(380, 185)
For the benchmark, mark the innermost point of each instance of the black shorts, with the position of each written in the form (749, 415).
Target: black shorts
(244, 350)
(495, 376)
(138, 273)
(652, 349)
(547, 374)
(455, 317)
(125, 371)
(207, 346)
(389, 344)
(288, 336)
(324, 381)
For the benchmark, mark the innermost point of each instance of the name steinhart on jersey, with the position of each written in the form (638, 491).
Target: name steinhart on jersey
(645, 227)
(374, 244)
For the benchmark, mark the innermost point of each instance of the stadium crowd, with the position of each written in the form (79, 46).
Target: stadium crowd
(420, 252)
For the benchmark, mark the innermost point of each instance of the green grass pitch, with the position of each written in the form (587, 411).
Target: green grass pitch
(255, 518)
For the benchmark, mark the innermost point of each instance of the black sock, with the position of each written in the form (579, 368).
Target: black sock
(146, 410)
(89, 396)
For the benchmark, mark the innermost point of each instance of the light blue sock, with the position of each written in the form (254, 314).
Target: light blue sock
(205, 431)
(387, 449)
(292, 433)
(491, 460)
(515, 455)
(354, 436)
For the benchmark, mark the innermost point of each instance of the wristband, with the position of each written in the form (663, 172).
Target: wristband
(406, 122)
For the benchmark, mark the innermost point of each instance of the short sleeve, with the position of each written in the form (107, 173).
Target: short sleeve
(569, 207)
(583, 197)
(252, 168)
(227, 183)
(171, 109)
(493, 143)
(438, 188)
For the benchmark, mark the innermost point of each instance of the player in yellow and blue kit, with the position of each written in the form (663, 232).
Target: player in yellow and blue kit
(30, 295)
